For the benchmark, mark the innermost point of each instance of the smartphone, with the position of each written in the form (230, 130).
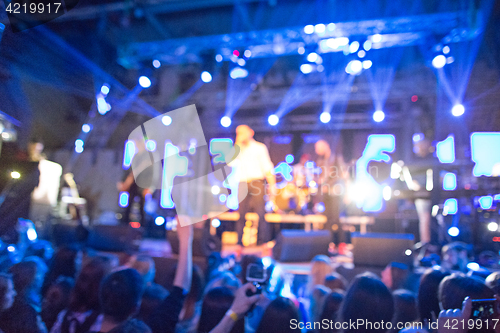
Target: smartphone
(483, 308)
(256, 273)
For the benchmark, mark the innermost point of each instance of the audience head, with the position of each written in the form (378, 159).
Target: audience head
(224, 279)
(331, 306)
(66, 262)
(277, 317)
(455, 256)
(455, 287)
(493, 282)
(320, 268)
(369, 299)
(335, 281)
(216, 303)
(120, 294)
(56, 299)
(428, 302)
(145, 265)
(405, 306)
(7, 292)
(395, 275)
(153, 295)
(85, 294)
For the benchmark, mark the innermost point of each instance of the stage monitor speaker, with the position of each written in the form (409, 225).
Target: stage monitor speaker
(114, 238)
(301, 246)
(380, 249)
(203, 243)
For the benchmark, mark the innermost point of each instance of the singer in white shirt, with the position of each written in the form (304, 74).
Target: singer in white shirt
(252, 166)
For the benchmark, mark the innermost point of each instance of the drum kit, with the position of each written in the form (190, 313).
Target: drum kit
(298, 195)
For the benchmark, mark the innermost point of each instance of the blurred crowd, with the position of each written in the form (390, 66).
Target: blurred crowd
(73, 289)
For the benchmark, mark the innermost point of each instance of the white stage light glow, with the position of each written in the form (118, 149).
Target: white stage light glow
(145, 82)
(439, 61)
(225, 121)
(309, 29)
(156, 63)
(166, 120)
(273, 120)
(378, 116)
(206, 77)
(325, 117)
(458, 110)
(306, 68)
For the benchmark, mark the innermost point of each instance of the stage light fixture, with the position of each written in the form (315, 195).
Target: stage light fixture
(319, 28)
(306, 68)
(458, 110)
(156, 63)
(86, 128)
(166, 120)
(225, 121)
(325, 117)
(367, 64)
(378, 116)
(236, 53)
(218, 58)
(408, 252)
(354, 67)
(301, 50)
(439, 61)
(15, 175)
(354, 47)
(361, 53)
(206, 77)
(238, 73)
(215, 190)
(377, 38)
(312, 57)
(247, 53)
(215, 223)
(273, 120)
(309, 29)
(144, 82)
(453, 231)
(242, 62)
(320, 68)
(151, 145)
(492, 226)
(79, 149)
(102, 106)
(105, 89)
(367, 45)
(331, 26)
(446, 49)
(159, 220)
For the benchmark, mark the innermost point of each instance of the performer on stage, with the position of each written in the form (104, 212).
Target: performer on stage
(332, 174)
(252, 166)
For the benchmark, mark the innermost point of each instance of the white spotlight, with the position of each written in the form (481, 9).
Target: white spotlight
(273, 120)
(306, 68)
(439, 61)
(309, 29)
(354, 47)
(166, 120)
(247, 53)
(215, 223)
(458, 110)
(86, 128)
(453, 231)
(218, 58)
(378, 116)
(225, 121)
(159, 220)
(206, 77)
(354, 67)
(367, 63)
(319, 28)
(105, 89)
(312, 57)
(492, 226)
(377, 38)
(215, 190)
(145, 82)
(156, 63)
(325, 117)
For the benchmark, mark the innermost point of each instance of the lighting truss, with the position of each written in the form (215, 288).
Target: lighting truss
(398, 31)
